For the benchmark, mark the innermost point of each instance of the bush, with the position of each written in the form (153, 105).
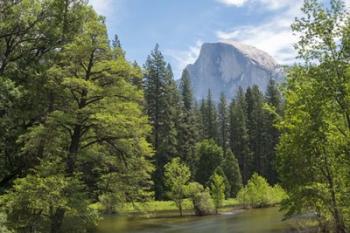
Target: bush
(210, 156)
(3, 220)
(109, 202)
(258, 193)
(217, 190)
(202, 202)
(34, 201)
(177, 175)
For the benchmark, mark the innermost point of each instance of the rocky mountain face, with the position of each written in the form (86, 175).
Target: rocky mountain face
(226, 66)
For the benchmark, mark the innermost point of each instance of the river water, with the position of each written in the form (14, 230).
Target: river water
(250, 221)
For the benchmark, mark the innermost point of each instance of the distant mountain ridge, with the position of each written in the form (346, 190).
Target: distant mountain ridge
(226, 66)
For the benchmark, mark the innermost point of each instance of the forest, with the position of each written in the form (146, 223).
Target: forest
(85, 132)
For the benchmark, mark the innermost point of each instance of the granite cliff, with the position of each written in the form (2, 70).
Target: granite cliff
(226, 66)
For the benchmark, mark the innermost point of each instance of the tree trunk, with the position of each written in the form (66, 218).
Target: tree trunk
(337, 215)
(73, 149)
(57, 221)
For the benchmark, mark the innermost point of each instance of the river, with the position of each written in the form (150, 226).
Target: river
(250, 221)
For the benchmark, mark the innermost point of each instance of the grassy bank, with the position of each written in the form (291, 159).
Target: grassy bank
(153, 207)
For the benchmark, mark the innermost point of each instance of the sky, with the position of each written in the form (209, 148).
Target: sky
(180, 27)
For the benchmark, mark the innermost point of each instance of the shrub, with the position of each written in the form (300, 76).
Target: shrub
(258, 193)
(3, 220)
(177, 175)
(202, 202)
(109, 202)
(34, 202)
(217, 189)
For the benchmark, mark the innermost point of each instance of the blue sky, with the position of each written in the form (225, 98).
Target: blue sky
(181, 26)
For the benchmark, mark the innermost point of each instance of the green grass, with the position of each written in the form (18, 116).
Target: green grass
(230, 202)
(154, 206)
(160, 206)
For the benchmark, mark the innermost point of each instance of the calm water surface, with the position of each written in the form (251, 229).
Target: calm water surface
(250, 221)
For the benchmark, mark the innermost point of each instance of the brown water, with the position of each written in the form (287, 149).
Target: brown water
(251, 221)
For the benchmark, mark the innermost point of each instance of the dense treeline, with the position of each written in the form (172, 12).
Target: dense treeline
(207, 135)
(81, 125)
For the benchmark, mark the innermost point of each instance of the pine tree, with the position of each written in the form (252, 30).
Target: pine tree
(223, 123)
(117, 47)
(116, 42)
(256, 123)
(239, 138)
(212, 118)
(209, 118)
(186, 91)
(272, 134)
(162, 104)
(202, 119)
(170, 115)
(232, 172)
(187, 129)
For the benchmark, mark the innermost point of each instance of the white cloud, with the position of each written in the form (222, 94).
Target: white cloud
(103, 7)
(184, 57)
(267, 4)
(113, 10)
(273, 36)
(233, 2)
(347, 4)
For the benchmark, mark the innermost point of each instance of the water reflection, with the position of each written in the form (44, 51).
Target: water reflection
(250, 221)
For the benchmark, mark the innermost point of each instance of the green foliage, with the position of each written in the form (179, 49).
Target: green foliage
(3, 221)
(73, 129)
(315, 127)
(110, 202)
(186, 90)
(24, 85)
(239, 137)
(121, 186)
(187, 126)
(223, 118)
(233, 175)
(210, 156)
(177, 176)
(209, 118)
(202, 202)
(217, 190)
(256, 128)
(162, 104)
(258, 193)
(253, 134)
(153, 207)
(34, 202)
(219, 170)
(83, 129)
(273, 111)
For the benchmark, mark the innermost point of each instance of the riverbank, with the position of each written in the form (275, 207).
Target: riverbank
(265, 220)
(163, 208)
(163, 216)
